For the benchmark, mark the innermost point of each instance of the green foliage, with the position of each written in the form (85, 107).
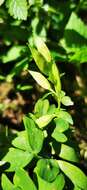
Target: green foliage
(77, 25)
(33, 160)
(45, 132)
(75, 39)
(80, 56)
(56, 23)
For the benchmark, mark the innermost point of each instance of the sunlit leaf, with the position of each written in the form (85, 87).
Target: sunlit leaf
(44, 120)
(77, 188)
(60, 137)
(74, 174)
(68, 153)
(40, 61)
(61, 124)
(22, 180)
(40, 79)
(33, 2)
(42, 48)
(21, 141)
(1, 2)
(56, 77)
(11, 56)
(41, 107)
(6, 183)
(66, 100)
(75, 40)
(17, 158)
(57, 184)
(75, 23)
(65, 116)
(80, 56)
(17, 69)
(17, 9)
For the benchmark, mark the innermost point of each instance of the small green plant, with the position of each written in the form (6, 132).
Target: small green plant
(45, 145)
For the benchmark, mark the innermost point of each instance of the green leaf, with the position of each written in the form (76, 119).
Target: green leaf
(47, 169)
(77, 188)
(75, 40)
(2, 163)
(21, 141)
(40, 61)
(23, 88)
(35, 135)
(75, 23)
(2, 77)
(66, 100)
(65, 115)
(17, 69)
(68, 153)
(42, 48)
(62, 94)
(80, 56)
(60, 137)
(40, 79)
(36, 23)
(18, 9)
(41, 107)
(57, 184)
(22, 180)
(56, 78)
(77, 177)
(61, 124)
(6, 184)
(1, 2)
(51, 109)
(11, 56)
(44, 120)
(17, 158)
(32, 2)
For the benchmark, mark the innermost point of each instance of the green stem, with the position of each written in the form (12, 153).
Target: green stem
(59, 104)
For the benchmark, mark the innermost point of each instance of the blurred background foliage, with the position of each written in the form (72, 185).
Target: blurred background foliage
(63, 26)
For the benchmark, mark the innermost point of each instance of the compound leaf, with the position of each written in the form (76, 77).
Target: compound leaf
(17, 9)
